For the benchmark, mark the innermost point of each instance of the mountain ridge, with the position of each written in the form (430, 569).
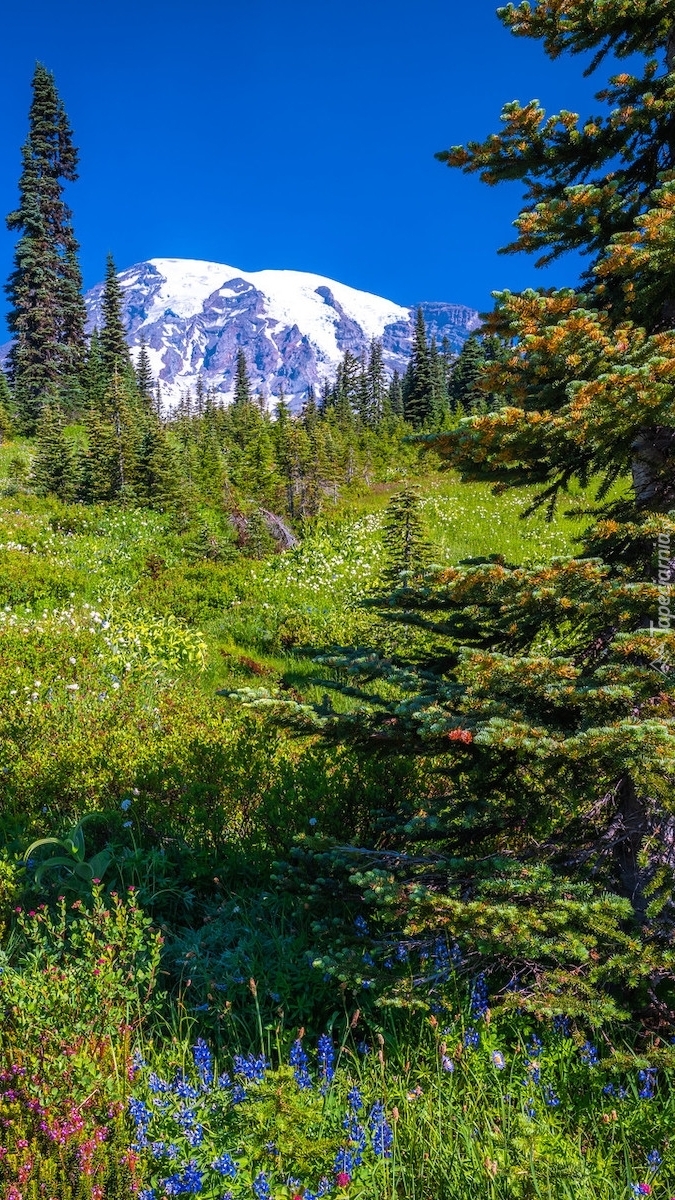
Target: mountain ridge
(294, 326)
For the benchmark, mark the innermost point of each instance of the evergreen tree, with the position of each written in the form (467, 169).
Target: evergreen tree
(417, 391)
(467, 373)
(546, 693)
(94, 378)
(242, 383)
(404, 540)
(156, 475)
(6, 407)
(144, 380)
(47, 312)
(396, 395)
(113, 338)
(54, 466)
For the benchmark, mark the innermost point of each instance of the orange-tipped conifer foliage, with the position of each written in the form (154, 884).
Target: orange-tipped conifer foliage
(546, 694)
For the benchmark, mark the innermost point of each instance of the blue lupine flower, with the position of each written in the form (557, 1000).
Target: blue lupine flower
(225, 1165)
(139, 1112)
(344, 1161)
(190, 1180)
(550, 1097)
(203, 1059)
(224, 1080)
(325, 1186)
(357, 1136)
(299, 1061)
(471, 1038)
(441, 957)
(183, 1088)
(534, 1046)
(185, 1117)
(479, 997)
(238, 1093)
(194, 1135)
(137, 1061)
(561, 1025)
(125, 804)
(158, 1149)
(326, 1054)
(402, 952)
(363, 1048)
(531, 1110)
(252, 1066)
(654, 1159)
(147, 1194)
(589, 1054)
(456, 956)
(354, 1099)
(261, 1188)
(648, 1080)
(361, 926)
(156, 1084)
(381, 1131)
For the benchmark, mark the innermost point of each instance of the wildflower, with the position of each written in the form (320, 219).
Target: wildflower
(447, 1063)
(342, 1179)
(203, 1060)
(550, 1098)
(147, 1194)
(354, 1099)
(313, 821)
(225, 1165)
(361, 926)
(648, 1080)
(261, 1188)
(381, 1131)
(125, 804)
(326, 1054)
(156, 1084)
(479, 997)
(182, 1088)
(641, 1189)
(471, 1038)
(561, 1025)
(654, 1159)
(238, 1094)
(498, 1060)
(299, 1061)
(344, 1163)
(363, 1048)
(252, 1067)
(589, 1055)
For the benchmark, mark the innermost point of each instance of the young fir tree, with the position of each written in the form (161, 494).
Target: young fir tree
(406, 547)
(144, 380)
(242, 383)
(547, 693)
(417, 386)
(113, 338)
(47, 312)
(54, 465)
(465, 381)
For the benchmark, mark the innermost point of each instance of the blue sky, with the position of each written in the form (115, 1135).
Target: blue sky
(297, 134)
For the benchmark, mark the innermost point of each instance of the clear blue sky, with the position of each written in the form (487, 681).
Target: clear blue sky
(295, 133)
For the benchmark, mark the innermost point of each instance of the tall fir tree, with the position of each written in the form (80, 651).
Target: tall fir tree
(417, 389)
(546, 693)
(144, 379)
(113, 337)
(47, 313)
(242, 382)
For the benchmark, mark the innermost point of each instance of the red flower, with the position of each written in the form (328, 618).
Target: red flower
(343, 1179)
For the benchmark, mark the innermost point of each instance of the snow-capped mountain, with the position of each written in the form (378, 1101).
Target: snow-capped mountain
(294, 327)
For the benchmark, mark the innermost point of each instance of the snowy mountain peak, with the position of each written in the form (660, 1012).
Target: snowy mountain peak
(293, 326)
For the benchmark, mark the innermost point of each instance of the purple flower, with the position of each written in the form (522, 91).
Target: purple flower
(471, 1038)
(354, 1099)
(479, 997)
